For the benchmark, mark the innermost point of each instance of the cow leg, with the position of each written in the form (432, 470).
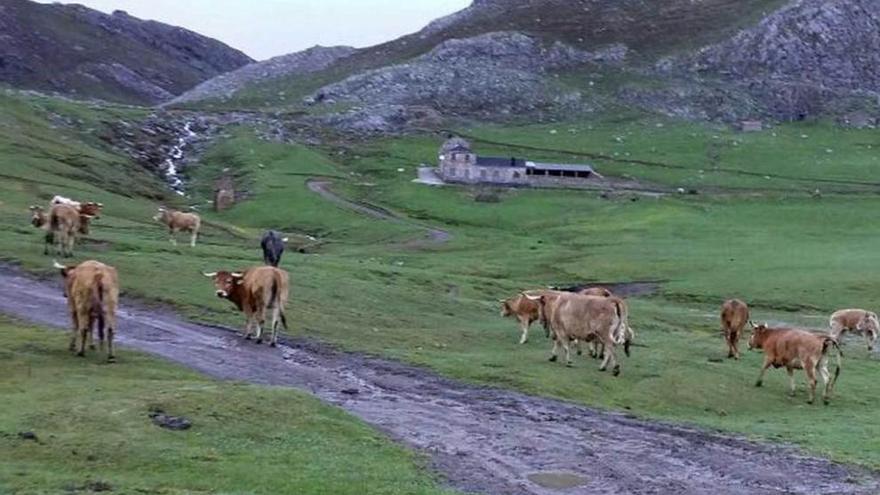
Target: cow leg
(553, 353)
(826, 381)
(524, 325)
(566, 346)
(767, 364)
(276, 312)
(111, 357)
(579, 346)
(594, 352)
(792, 385)
(610, 359)
(870, 338)
(192, 238)
(171, 233)
(736, 346)
(810, 370)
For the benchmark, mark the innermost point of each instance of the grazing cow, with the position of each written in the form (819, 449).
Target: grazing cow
(179, 221)
(525, 310)
(855, 320)
(253, 292)
(734, 316)
(63, 225)
(796, 349)
(584, 318)
(92, 290)
(273, 247)
(40, 220)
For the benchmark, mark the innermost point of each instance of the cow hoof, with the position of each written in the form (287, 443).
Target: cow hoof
(602, 368)
(80, 354)
(580, 352)
(810, 401)
(273, 344)
(111, 359)
(569, 365)
(616, 370)
(258, 341)
(758, 383)
(826, 402)
(552, 359)
(247, 337)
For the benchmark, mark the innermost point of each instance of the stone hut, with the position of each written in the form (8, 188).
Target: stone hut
(224, 193)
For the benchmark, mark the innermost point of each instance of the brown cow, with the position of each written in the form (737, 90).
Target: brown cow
(734, 316)
(597, 348)
(62, 224)
(253, 292)
(584, 318)
(796, 349)
(92, 290)
(855, 320)
(525, 310)
(179, 221)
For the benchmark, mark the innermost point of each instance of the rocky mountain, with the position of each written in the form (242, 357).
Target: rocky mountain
(81, 52)
(296, 64)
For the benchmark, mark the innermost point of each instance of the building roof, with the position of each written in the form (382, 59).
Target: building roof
(500, 161)
(455, 144)
(565, 167)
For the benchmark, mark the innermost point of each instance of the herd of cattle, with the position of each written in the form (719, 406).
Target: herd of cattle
(569, 316)
(595, 315)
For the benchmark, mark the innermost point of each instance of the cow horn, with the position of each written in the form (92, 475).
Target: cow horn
(237, 274)
(100, 205)
(59, 266)
(285, 239)
(209, 275)
(531, 298)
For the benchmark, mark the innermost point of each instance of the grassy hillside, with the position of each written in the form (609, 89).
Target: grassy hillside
(379, 287)
(650, 28)
(94, 434)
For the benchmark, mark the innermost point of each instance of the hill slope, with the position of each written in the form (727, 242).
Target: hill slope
(78, 51)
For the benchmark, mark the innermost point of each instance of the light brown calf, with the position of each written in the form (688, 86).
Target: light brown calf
(797, 349)
(92, 290)
(584, 318)
(734, 316)
(177, 221)
(64, 225)
(254, 292)
(525, 310)
(855, 320)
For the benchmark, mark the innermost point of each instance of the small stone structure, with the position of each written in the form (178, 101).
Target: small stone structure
(224, 193)
(751, 126)
(458, 163)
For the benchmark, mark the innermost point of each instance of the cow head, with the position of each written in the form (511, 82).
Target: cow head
(91, 209)
(759, 332)
(162, 215)
(225, 282)
(870, 327)
(67, 273)
(38, 216)
(505, 307)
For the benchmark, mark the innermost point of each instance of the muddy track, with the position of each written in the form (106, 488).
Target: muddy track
(322, 188)
(481, 440)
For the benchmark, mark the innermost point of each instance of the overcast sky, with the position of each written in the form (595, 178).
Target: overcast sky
(265, 28)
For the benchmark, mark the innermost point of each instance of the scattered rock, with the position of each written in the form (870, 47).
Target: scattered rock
(170, 422)
(350, 391)
(27, 435)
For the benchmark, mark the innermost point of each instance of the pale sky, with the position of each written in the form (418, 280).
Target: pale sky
(265, 28)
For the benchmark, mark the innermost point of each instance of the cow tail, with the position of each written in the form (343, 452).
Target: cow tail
(276, 299)
(97, 311)
(825, 345)
(620, 331)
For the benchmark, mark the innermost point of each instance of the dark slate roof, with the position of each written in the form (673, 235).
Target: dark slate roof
(499, 161)
(458, 147)
(561, 166)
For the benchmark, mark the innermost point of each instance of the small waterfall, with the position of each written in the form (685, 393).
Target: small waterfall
(175, 156)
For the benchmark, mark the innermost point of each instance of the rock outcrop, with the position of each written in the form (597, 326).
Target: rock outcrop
(299, 63)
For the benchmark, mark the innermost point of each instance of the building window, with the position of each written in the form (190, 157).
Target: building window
(483, 174)
(452, 171)
(496, 175)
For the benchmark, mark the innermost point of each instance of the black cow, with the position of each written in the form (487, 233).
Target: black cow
(273, 247)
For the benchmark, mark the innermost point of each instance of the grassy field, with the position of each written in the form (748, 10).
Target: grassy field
(93, 432)
(377, 286)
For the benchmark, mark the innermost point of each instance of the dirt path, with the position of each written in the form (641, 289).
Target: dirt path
(322, 187)
(481, 439)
